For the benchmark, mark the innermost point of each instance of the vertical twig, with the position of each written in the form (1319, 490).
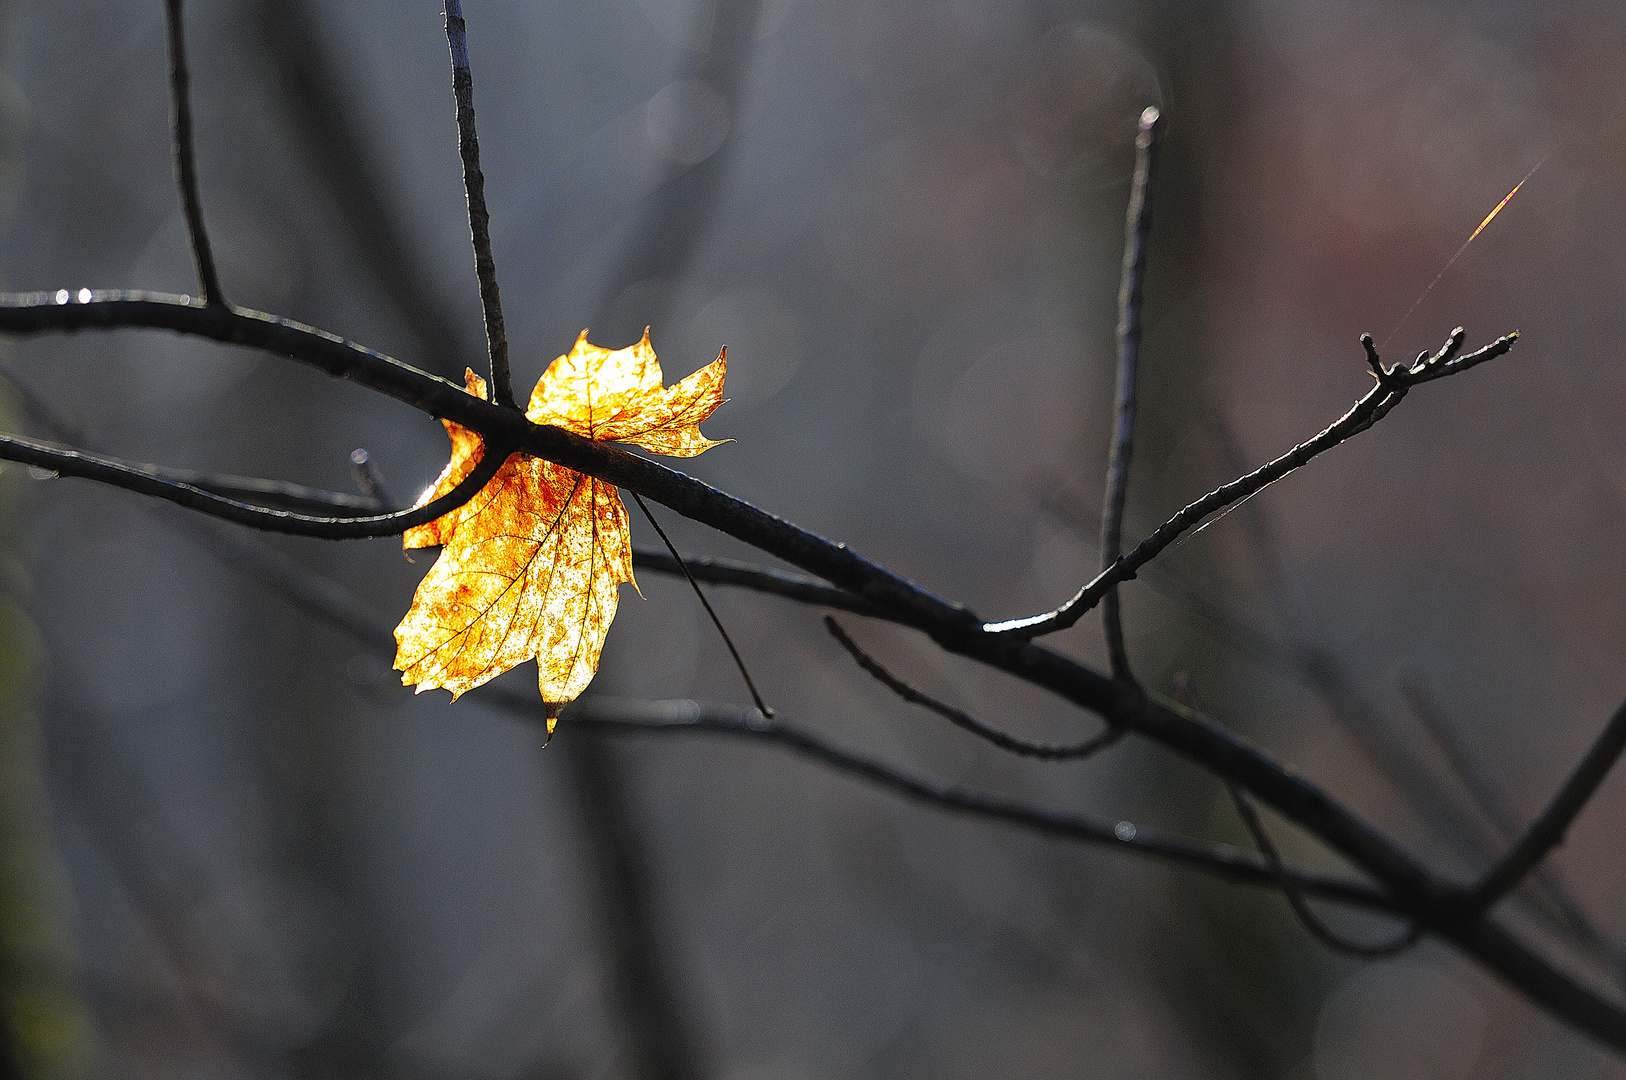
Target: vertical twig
(186, 172)
(1137, 229)
(474, 183)
(1548, 830)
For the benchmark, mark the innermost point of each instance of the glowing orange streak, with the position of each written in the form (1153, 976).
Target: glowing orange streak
(1474, 235)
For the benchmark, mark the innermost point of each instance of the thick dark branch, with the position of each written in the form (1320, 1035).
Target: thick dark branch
(963, 719)
(1137, 230)
(1295, 896)
(1391, 387)
(688, 716)
(149, 480)
(474, 183)
(186, 171)
(1548, 830)
(33, 313)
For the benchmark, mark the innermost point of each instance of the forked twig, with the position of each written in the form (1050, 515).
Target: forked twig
(1392, 385)
(964, 720)
(1131, 290)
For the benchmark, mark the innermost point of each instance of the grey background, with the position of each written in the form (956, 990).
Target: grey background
(904, 219)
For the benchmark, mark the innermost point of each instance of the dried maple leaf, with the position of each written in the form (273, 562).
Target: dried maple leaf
(532, 565)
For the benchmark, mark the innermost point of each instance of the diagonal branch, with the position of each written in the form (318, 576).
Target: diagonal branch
(1548, 830)
(963, 719)
(1551, 988)
(474, 183)
(1137, 230)
(951, 625)
(186, 170)
(902, 601)
(1391, 387)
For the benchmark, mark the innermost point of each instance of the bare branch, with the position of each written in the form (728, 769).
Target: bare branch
(186, 171)
(1295, 896)
(1548, 830)
(1137, 230)
(951, 625)
(150, 480)
(474, 183)
(1392, 385)
(964, 720)
(33, 313)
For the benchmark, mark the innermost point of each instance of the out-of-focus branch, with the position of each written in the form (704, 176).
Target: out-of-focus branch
(1547, 831)
(331, 127)
(1131, 291)
(186, 171)
(1295, 895)
(1548, 890)
(1392, 385)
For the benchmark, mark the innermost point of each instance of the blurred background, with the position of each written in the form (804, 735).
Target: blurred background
(234, 846)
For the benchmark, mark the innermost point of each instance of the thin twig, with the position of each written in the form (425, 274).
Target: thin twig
(149, 480)
(1131, 289)
(186, 171)
(1390, 388)
(474, 183)
(739, 662)
(962, 719)
(1548, 830)
(370, 479)
(1295, 896)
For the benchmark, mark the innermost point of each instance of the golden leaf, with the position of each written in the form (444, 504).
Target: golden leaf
(532, 565)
